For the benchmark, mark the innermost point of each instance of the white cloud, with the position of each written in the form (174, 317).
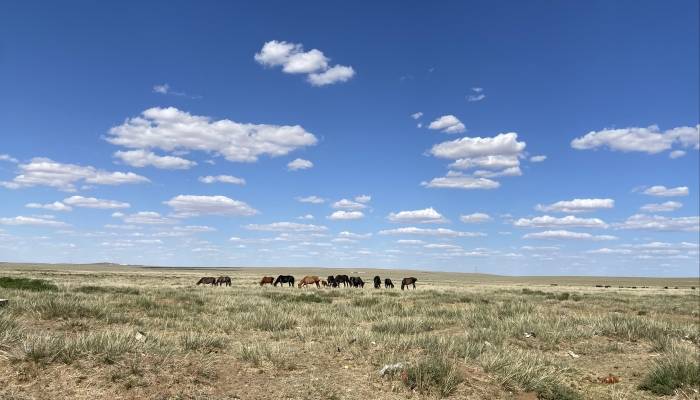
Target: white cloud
(170, 129)
(660, 223)
(458, 181)
(410, 241)
(351, 235)
(429, 232)
(191, 205)
(286, 227)
(8, 158)
(222, 179)
(538, 158)
(92, 202)
(661, 207)
(306, 217)
(145, 218)
(475, 218)
(512, 171)
(442, 246)
(162, 89)
(503, 144)
(298, 164)
(363, 198)
(46, 172)
(311, 199)
(606, 250)
(647, 140)
(55, 206)
(416, 115)
(577, 205)
(424, 216)
(476, 95)
(338, 73)
(32, 221)
(294, 60)
(346, 204)
(547, 221)
(494, 162)
(676, 154)
(563, 234)
(346, 215)
(663, 191)
(447, 123)
(143, 158)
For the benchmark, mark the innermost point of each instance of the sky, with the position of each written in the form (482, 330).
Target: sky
(506, 137)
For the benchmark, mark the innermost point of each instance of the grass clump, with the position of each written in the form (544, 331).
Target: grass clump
(106, 289)
(432, 374)
(272, 323)
(677, 371)
(201, 341)
(302, 298)
(34, 285)
(402, 326)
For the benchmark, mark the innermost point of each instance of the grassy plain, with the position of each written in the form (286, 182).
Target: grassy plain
(106, 331)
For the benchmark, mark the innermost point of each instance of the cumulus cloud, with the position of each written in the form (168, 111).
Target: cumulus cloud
(475, 218)
(46, 172)
(55, 206)
(298, 164)
(577, 205)
(144, 218)
(33, 221)
(538, 158)
(547, 221)
(459, 181)
(351, 235)
(661, 207)
(311, 199)
(345, 204)
(294, 60)
(424, 216)
(564, 234)
(306, 216)
(170, 130)
(492, 162)
(192, 205)
(650, 140)
(412, 230)
(363, 198)
(448, 124)
(663, 191)
(346, 215)
(410, 241)
(660, 223)
(92, 202)
(286, 227)
(8, 158)
(144, 158)
(222, 179)
(504, 144)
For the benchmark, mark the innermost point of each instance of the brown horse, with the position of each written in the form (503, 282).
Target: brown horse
(406, 282)
(308, 280)
(266, 280)
(223, 280)
(207, 280)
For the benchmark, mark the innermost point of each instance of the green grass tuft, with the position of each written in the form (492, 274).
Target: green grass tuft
(34, 285)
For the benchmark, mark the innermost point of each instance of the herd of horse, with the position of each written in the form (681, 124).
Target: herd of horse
(332, 281)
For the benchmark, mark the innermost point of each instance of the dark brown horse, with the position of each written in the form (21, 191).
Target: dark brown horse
(267, 280)
(309, 280)
(406, 282)
(207, 280)
(223, 281)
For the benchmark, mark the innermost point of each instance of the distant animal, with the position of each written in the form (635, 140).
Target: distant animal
(309, 280)
(342, 279)
(207, 280)
(388, 283)
(266, 280)
(324, 283)
(223, 281)
(356, 281)
(598, 285)
(406, 282)
(282, 279)
(331, 281)
(377, 282)
(607, 286)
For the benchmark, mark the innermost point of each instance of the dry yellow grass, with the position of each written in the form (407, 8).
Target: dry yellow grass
(133, 333)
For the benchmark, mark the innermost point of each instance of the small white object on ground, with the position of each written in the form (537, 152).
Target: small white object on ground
(390, 368)
(572, 354)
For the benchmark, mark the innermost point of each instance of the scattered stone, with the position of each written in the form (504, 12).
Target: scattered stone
(572, 354)
(4, 302)
(530, 334)
(140, 336)
(390, 369)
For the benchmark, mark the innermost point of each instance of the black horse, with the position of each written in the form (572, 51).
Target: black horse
(377, 282)
(223, 281)
(207, 280)
(356, 281)
(331, 281)
(282, 279)
(406, 282)
(388, 283)
(342, 279)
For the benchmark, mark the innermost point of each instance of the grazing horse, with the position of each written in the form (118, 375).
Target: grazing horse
(266, 280)
(282, 279)
(309, 280)
(207, 280)
(388, 283)
(377, 282)
(342, 279)
(223, 281)
(324, 283)
(406, 282)
(331, 281)
(356, 281)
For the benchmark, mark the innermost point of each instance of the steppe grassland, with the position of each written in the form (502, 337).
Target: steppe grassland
(96, 332)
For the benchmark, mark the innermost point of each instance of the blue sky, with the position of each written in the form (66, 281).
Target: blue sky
(504, 137)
